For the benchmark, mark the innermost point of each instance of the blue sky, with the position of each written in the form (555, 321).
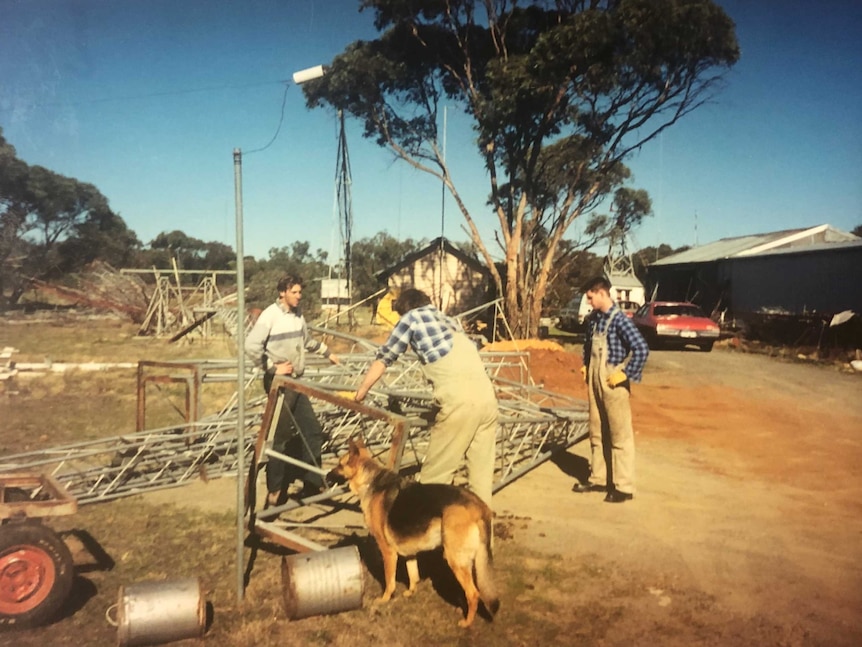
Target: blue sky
(147, 99)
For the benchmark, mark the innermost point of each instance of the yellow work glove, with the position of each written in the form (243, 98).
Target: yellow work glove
(616, 378)
(347, 395)
(584, 372)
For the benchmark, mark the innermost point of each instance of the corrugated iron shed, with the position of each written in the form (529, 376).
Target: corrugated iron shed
(796, 272)
(786, 240)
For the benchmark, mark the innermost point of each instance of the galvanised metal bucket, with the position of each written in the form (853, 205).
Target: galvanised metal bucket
(152, 613)
(328, 581)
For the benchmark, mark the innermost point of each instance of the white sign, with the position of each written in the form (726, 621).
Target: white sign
(333, 289)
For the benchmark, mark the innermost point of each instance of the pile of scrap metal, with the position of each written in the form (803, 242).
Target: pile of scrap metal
(102, 287)
(393, 420)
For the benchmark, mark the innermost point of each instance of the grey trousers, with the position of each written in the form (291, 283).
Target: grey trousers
(297, 434)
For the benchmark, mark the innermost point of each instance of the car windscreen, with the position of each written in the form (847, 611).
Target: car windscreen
(678, 311)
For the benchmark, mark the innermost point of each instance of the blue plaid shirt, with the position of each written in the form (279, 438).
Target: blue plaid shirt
(426, 330)
(623, 338)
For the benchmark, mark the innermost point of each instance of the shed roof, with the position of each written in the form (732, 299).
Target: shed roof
(433, 246)
(625, 281)
(756, 244)
(809, 249)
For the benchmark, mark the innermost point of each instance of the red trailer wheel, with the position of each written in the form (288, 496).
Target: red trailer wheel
(36, 572)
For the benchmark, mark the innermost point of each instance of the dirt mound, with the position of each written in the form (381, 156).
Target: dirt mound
(558, 371)
(523, 344)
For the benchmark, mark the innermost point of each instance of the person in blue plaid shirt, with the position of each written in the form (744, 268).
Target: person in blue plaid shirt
(465, 425)
(614, 356)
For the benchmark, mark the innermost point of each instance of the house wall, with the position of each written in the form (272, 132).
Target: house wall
(452, 285)
(622, 290)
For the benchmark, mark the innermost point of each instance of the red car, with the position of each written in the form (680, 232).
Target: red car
(675, 323)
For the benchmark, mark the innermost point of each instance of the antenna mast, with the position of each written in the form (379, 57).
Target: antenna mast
(343, 182)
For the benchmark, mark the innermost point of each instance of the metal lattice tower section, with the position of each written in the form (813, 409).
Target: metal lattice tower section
(618, 262)
(343, 183)
(177, 309)
(393, 420)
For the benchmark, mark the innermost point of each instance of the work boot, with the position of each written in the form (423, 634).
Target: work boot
(581, 488)
(615, 496)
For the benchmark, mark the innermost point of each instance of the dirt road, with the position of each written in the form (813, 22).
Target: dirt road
(747, 523)
(746, 528)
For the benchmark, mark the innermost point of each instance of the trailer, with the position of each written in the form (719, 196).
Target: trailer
(36, 566)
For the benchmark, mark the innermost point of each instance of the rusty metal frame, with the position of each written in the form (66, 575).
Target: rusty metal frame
(261, 520)
(191, 380)
(191, 373)
(534, 423)
(394, 419)
(45, 497)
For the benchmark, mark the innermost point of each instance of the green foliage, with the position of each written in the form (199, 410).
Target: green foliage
(573, 267)
(189, 253)
(559, 94)
(297, 260)
(647, 255)
(104, 236)
(51, 224)
(374, 255)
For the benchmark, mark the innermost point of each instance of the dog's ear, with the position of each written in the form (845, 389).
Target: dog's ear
(355, 446)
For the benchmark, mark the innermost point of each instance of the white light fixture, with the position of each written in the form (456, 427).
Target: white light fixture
(308, 74)
(298, 77)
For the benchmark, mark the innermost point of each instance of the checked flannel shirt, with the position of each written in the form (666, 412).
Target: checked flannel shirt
(426, 330)
(623, 338)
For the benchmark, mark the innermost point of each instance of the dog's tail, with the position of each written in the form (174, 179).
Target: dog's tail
(485, 570)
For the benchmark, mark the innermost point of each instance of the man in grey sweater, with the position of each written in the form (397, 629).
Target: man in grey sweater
(277, 344)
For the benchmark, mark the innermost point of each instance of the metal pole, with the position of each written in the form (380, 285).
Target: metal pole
(442, 216)
(298, 77)
(240, 376)
(443, 185)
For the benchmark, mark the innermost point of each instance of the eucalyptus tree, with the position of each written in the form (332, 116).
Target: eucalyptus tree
(51, 224)
(559, 94)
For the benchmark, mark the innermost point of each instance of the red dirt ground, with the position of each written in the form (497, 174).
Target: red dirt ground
(748, 495)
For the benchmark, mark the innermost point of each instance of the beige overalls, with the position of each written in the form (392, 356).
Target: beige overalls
(466, 423)
(611, 435)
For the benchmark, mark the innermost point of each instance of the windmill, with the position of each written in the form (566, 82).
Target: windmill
(620, 271)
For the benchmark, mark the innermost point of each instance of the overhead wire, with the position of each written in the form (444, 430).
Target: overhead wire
(280, 122)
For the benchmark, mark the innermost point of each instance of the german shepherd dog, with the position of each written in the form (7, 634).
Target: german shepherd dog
(406, 518)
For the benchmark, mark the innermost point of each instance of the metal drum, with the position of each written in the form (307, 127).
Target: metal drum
(152, 613)
(322, 582)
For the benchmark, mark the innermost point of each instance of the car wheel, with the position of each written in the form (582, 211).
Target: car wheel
(706, 346)
(36, 572)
